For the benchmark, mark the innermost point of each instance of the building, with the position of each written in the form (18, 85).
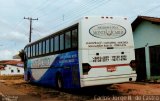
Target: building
(11, 67)
(16, 56)
(146, 32)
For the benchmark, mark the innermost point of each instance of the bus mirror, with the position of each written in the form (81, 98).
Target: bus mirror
(133, 64)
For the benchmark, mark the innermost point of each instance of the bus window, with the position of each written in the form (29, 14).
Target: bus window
(33, 50)
(67, 40)
(52, 44)
(47, 46)
(40, 48)
(36, 49)
(62, 42)
(29, 51)
(56, 43)
(74, 38)
(44, 47)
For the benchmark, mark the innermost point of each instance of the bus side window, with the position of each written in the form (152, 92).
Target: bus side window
(56, 43)
(62, 42)
(33, 50)
(47, 46)
(67, 40)
(74, 38)
(52, 45)
(29, 51)
(40, 48)
(44, 47)
(36, 49)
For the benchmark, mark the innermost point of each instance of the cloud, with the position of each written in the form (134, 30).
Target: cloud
(7, 54)
(78, 1)
(14, 36)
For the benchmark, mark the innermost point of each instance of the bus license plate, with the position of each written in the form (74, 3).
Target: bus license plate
(111, 68)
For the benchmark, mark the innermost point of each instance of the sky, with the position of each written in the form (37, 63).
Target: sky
(55, 14)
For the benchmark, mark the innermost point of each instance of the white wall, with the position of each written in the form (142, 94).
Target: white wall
(12, 70)
(147, 33)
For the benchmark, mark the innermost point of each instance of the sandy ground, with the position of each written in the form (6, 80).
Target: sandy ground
(138, 88)
(90, 93)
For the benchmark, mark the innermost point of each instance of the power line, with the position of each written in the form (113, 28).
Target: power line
(39, 7)
(81, 9)
(151, 9)
(79, 14)
(146, 12)
(75, 11)
(72, 13)
(63, 6)
(47, 4)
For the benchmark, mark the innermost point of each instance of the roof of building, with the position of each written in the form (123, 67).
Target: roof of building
(11, 62)
(1, 67)
(139, 19)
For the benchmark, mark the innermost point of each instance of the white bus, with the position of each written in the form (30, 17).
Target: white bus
(91, 51)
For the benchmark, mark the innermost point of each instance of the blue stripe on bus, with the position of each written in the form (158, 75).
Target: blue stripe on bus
(67, 65)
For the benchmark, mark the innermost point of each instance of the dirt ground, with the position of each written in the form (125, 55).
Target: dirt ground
(89, 93)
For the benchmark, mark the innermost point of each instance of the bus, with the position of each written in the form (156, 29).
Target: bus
(92, 51)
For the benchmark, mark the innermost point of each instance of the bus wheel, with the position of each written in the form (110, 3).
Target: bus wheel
(29, 77)
(59, 82)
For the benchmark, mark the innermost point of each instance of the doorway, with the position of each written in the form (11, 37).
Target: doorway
(141, 64)
(155, 60)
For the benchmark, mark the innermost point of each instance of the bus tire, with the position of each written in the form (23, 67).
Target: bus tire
(59, 81)
(29, 78)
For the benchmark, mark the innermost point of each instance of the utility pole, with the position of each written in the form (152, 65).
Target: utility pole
(30, 29)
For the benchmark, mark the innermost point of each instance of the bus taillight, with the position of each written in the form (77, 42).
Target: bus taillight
(133, 64)
(86, 67)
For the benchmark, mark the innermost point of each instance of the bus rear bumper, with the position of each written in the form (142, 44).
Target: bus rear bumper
(95, 81)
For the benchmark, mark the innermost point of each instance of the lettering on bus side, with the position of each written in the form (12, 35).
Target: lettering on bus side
(45, 62)
(68, 58)
(107, 31)
(107, 44)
